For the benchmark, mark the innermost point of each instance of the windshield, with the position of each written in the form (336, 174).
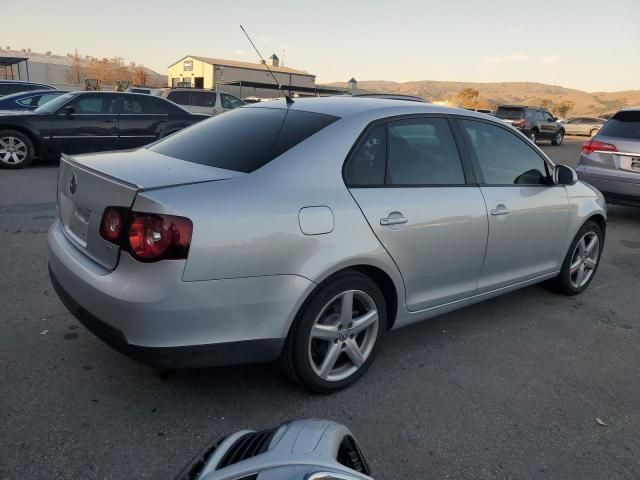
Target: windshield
(509, 113)
(244, 139)
(623, 125)
(53, 105)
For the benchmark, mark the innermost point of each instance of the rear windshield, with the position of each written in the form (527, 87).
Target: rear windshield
(509, 113)
(623, 125)
(244, 139)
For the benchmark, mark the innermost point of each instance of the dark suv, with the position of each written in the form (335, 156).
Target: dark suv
(536, 123)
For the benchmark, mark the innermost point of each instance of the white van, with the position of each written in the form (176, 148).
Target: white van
(195, 100)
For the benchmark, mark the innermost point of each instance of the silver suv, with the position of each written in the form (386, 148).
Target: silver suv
(208, 102)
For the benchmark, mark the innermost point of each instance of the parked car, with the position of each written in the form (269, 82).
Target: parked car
(536, 123)
(208, 102)
(81, 122)
(306, 231)
(303, 449)
(7, 87)
(583, 126)
(147, 90)
(610, 161)
(28, 100)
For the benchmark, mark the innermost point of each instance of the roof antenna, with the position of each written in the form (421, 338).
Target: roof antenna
(287, 97)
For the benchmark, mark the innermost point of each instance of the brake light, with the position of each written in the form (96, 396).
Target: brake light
(152, 237)
(591, 146)
(522, 123)
(112, 224)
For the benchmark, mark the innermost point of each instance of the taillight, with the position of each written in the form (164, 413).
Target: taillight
(521, 123)
(152, 237)
(112, 224)
(591, 146)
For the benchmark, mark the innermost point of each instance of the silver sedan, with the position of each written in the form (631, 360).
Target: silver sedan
(306, 231)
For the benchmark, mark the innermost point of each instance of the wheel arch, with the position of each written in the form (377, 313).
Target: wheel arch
(599, 219)
(35, 141)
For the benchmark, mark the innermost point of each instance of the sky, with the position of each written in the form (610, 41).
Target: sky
(585, 44)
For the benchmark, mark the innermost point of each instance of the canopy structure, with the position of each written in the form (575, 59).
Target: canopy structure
(12, 68)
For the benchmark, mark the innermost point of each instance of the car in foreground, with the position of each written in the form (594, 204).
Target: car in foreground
(208, 102)
(8, 87)
(534, 122)
(306, 231)
(311, 449)
(28, 100)
(610, 161)
(589, 126)
(81, 122)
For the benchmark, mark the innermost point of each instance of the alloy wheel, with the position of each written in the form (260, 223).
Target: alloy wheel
(559, 137)
(584, 260)
(13, 151)
(343, 335)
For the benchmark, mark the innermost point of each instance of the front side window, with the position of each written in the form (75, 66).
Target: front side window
(244, 139)
(503, 158)
(423, 152)
(55, 104)
(229, 102)
(366, 167)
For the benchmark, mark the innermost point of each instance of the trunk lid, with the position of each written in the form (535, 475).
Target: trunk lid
(620, 166)
(87, 184)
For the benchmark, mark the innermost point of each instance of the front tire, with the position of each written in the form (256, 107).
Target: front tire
(581, 262)
(16, 149)
(533, 136)
(337, 333)
(558, 138)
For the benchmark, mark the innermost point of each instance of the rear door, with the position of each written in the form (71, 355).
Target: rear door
(408, 178)
(204, 102)
(142, 119)
(92, 127)
(528, 214)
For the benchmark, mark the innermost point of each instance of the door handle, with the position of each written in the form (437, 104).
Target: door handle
(500, 210)
(395, 220)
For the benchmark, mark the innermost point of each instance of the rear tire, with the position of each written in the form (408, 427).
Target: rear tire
(16, 149)
(578, 260)
(533, 136)
(558, 138)
(316, 360)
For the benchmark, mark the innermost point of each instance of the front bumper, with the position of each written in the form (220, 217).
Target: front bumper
(147, 312)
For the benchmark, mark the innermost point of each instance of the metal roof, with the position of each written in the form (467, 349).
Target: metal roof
(285, 88)
(8, 61)
(247, 65)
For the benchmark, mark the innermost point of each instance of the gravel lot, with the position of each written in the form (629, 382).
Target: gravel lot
(506, 389)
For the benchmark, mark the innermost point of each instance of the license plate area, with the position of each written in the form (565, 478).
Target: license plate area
(631, 164)
(78, 225)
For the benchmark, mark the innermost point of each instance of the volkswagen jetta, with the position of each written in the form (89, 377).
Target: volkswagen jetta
(305, 231)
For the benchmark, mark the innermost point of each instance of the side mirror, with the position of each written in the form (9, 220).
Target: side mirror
(69, 109)
(564, 175)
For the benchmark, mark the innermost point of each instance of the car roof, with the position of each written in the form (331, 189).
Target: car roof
(30, 93)
(26, 82)
(344, 106)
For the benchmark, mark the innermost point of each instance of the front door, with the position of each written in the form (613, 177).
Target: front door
(91, 125)
(408, 178)
(528, 214)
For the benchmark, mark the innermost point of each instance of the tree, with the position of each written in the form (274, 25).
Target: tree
(76, 74)
(139, 76)
(563, 108)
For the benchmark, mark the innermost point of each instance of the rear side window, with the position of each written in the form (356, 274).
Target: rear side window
(367, 165)
(423, 152)
(509, 113)
(180, 97)
(623, 125)
(203, 99)
(244, 139)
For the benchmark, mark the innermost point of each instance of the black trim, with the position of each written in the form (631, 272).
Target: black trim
(193, 356)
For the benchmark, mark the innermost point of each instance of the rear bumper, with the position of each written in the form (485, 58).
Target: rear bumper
(147, 312)
(623, 193)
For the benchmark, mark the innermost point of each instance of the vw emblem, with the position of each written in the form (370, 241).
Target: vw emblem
(73, 184)
(343, 335)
